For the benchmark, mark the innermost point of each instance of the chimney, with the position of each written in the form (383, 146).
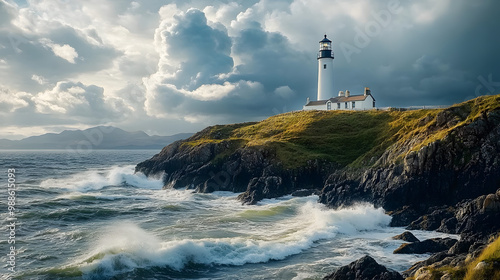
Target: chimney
(347, 93)
(367, 91)
(341, 93)
(307, 102)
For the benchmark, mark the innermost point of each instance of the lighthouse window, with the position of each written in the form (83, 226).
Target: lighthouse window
(324, 66)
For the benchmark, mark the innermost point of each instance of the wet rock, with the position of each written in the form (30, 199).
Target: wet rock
(304, 192)
(403, 217)
(432, 221)
(365, 268)
(433, 245)
(406, 236)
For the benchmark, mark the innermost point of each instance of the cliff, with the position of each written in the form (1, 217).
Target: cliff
(430, 169)
(394, 159)
(445, 157)
(280, 155)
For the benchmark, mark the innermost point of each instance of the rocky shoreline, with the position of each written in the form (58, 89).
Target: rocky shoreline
(442, 173)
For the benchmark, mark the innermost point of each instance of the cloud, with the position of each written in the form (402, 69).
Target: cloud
(39, 79)
(10, 102)
(426, 12)
(65, 51)
(79, 101)
(198, 76)
(7, 13)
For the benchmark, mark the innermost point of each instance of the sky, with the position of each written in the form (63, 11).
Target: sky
(167, 67)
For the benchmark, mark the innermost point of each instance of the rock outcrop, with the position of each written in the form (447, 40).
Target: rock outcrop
(365, 268)
(433, 245)
(227, 166)
(406, 236)
(477, 216)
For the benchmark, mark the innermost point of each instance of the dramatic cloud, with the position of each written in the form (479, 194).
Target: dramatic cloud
(177, 66)
(197, 74)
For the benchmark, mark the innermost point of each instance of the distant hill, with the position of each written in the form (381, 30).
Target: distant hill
(100, 137)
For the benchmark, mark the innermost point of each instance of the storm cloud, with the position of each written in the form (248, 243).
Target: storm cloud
(177, 66)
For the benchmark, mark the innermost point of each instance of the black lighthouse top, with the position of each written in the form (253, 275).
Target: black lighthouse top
(325, 48)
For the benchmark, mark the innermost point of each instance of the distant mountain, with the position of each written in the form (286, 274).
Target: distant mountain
(100, 137)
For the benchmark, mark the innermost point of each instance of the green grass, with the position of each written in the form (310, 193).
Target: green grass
(491, 256)
(437, 273)
(346, 138)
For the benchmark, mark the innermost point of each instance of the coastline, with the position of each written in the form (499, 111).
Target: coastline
(429, 169)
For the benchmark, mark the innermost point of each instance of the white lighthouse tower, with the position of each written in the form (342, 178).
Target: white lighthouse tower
(325, 69)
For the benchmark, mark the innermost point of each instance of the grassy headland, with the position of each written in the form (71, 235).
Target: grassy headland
(347, 138)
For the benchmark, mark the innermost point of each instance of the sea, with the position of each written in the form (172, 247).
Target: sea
(87, 215)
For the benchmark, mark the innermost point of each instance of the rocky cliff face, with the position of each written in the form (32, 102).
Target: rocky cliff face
(464, 164)
(420, 159)
(226, 166)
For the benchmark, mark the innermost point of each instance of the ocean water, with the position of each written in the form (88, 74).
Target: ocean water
(88, 216)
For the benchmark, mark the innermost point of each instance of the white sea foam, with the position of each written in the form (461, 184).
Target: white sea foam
(126, 246)
(97, 179)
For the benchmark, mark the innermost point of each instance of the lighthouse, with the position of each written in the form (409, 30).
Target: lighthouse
(325, 69)
(327, 100)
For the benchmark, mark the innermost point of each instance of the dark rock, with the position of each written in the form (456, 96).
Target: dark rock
(403, 217)
(433, 245)
(462, 246)
(476, 217)
(365, 268)
(227, 166)
(432, 221)
(305, 192)
(263, 187)
(477, 246)
(406, 236)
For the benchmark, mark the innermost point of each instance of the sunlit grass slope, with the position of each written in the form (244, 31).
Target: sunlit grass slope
(347, 138)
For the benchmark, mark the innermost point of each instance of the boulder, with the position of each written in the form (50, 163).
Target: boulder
(365, 268)
(406, 236)
(433, 245)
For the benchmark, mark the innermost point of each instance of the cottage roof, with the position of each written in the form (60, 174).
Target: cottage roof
(339, 99)
(316, 103)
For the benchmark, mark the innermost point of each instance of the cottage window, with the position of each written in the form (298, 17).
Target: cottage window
(338, 105)
(353, 104)
(346, 106)
(329, 106)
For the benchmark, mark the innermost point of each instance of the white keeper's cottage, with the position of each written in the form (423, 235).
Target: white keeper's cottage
(326, 99)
